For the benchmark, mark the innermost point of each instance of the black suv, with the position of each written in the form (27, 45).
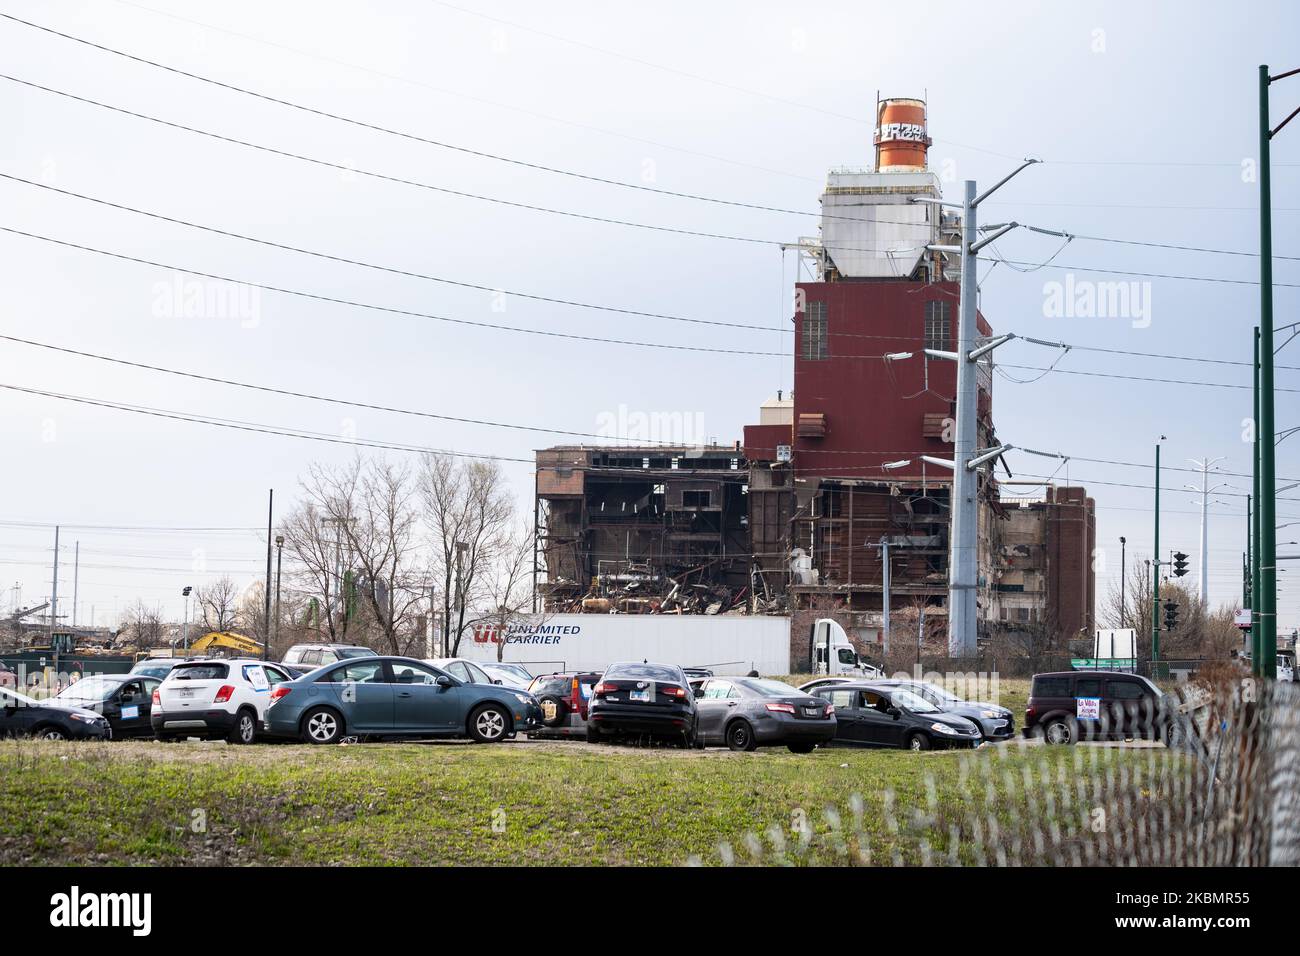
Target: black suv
(1067, 706)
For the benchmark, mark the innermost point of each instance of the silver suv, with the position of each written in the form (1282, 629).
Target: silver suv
(304, 658)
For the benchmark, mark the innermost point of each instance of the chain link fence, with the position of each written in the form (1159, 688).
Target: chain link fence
(1220, 788)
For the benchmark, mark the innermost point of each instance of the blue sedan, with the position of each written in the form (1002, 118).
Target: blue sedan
(395, 697)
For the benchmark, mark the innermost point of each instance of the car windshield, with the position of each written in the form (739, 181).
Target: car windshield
(517, 670)
(940, 694)
(90, 688)
(771, 688)
(347, 652)
(152, 670)
(909, 701)
(643, 672)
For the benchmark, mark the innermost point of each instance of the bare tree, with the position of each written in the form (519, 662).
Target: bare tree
(142, 625)
(218, 604)
(315, 553)
(469, 514)
(510, 589)
(369, 508)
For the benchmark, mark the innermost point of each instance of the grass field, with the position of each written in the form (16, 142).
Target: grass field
(454, 803)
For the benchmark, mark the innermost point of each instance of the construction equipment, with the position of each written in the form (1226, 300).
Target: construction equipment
(244, 646)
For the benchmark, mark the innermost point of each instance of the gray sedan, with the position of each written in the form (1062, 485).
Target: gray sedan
(747, 712)
(994, 721)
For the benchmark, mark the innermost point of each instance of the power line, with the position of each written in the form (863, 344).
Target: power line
(321, 398)
(383, 308)
(258, 428)
(403, 134)
(1147, 244)
(382, 268)
(1147, 275)
(1134, 378)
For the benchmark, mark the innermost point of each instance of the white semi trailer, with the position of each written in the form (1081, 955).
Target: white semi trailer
(725, 644)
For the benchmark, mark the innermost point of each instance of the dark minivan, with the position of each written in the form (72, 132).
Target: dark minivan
(1067, 706)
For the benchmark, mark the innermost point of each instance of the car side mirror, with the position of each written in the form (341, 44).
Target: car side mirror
(443, 681)
(894, 712)
(497, 682)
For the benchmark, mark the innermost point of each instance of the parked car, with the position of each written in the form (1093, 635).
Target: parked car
(465, 671)
(21, 716)
(747, 712)
(642, 698)
(125, 700)
(509, 675)
(305, 658)
(1067, 706)
(868, 714)
(564, 698)
(816, 682)
(215, 699)
(395, 697)
(157, 667)
(995, 722)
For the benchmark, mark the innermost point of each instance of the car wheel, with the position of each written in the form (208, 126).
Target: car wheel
(322, 725)
(489, 724)
(245, 729)
(740, 736)
(918, 742)
(49, 733)
(802, 748)
(1058, 732)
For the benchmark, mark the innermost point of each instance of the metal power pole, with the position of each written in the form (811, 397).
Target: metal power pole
(1123, 579)
(76, 580)
(1205, 465)
(963, 572)
(884, 562)
(266, 637)
(54, 604)
(1155, 577)
(1266, 505)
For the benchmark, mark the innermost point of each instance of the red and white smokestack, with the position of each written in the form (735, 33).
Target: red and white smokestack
(901, 138)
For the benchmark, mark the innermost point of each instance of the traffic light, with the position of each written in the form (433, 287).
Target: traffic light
(1171, 615)
(1180, 564)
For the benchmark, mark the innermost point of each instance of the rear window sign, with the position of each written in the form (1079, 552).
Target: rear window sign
(254, 674)
(1087, 708)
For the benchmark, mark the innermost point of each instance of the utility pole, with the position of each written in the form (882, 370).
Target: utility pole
(54, 605)
(76, 580)
(266, 639)
(1123, 579)
(1155, 577)
(963, 560)
(1266, 504)
(279, 563)
(884, 561)
(1205, 465)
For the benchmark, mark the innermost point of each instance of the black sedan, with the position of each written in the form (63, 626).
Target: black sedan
(746, 712)
(652, 700)
(125, 700)
(21, 716)
(874, 715)
(994, 721)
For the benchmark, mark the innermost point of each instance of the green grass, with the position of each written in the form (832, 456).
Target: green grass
(551, 803)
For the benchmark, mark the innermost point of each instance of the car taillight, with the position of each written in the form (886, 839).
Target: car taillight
(157, 697)
(782, 708)
(224, 694)
(603, 688)
(279, 692)
(674, 691)
(575, 693)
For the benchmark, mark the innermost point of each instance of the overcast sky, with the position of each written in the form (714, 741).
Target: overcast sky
(1144, 113)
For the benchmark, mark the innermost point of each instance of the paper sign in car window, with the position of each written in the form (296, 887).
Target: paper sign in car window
(257, 677)
(1087, 708)
(130, 713)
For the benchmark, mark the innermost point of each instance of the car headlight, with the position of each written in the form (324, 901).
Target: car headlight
(524, 699)
(943, 728)
(990, 714)
(84, 719)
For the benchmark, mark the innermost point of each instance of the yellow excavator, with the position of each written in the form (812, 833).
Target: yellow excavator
(244, 646)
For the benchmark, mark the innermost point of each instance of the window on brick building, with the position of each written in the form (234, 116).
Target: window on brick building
(938, 325)
(814, 343)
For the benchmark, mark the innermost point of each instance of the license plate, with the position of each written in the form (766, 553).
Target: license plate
(639, 695)
(812, 711)
(185, 692)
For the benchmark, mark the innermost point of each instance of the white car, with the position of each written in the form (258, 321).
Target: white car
(463, 670)
(511, 675)
(214, 699)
